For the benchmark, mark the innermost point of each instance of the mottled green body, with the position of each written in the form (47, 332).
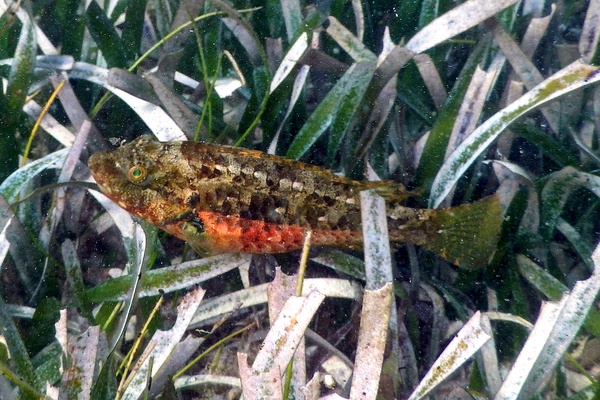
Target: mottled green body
(223, 199)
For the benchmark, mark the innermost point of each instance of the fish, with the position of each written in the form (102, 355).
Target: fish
(223, 199)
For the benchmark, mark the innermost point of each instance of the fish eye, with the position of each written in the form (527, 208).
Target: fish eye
(137, 174)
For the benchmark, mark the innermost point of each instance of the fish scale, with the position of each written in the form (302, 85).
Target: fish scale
(226, 199)
(250, 185)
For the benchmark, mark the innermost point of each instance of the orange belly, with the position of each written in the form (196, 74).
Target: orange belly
(230, 233)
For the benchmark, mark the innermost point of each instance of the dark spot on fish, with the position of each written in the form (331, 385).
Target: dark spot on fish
(208, 173)
(343, 223)
(206, 157)
(220, 158)
(329, 201)
(256, 201)
(193, 200)
(268, 204)
(245, 213)
(273, 217)
(281, 202)
(313, 198)
(226, 207)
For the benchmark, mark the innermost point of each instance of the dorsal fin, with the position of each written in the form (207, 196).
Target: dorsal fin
(391, 191)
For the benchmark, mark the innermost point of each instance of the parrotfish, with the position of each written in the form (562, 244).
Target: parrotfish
(227, 199)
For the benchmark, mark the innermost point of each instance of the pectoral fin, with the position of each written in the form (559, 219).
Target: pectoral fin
(195, 236)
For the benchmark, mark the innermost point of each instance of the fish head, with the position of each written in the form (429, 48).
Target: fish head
(142, 177)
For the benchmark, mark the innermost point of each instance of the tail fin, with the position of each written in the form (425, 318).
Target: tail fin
(465, 235)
